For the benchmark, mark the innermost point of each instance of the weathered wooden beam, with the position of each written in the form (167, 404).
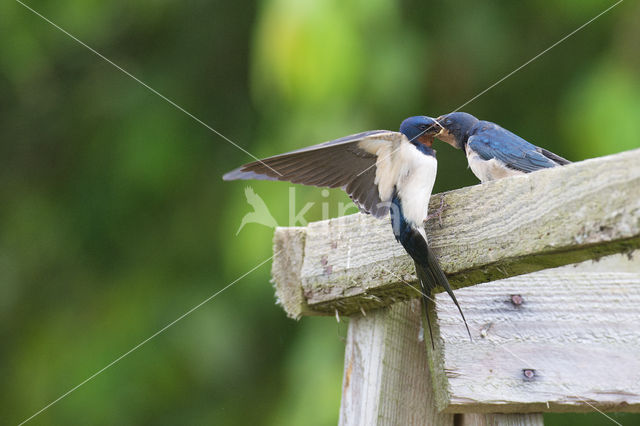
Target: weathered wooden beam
(500, 420)
(386, 377)
(562, 340)
(490, 231)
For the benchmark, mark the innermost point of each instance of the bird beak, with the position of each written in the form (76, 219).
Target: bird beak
(440, 128)
(434, 128)
(443, 134)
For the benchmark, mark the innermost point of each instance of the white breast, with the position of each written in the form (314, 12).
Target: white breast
(416, 177)
(487, 170)
(400, 165)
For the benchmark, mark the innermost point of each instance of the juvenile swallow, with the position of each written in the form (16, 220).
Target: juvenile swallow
(492, 151)
(383, 172)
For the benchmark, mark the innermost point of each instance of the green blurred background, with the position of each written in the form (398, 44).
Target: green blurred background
(114, 219)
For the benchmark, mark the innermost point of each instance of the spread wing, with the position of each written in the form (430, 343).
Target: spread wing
(349, 163)
(492, 141)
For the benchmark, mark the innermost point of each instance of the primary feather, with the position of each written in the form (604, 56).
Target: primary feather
(348, 163)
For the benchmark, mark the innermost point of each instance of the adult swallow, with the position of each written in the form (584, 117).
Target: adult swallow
(383, 172)
(492, 151)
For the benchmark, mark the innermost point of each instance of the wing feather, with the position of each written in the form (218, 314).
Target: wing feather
(554, 157)
(490, 141)
(349, 163)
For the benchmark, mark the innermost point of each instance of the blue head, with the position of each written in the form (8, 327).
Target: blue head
(455, 128)
(420, 131)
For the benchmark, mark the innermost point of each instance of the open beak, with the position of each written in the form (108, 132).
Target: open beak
(439, 127)
(443, 134)
(434, 128)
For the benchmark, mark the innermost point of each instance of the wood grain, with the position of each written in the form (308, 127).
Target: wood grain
(491, 231)
(501, 420)
(551, 341)
(386, 377)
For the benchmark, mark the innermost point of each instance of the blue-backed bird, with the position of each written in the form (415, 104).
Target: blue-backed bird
(383, 172)
(492, 151)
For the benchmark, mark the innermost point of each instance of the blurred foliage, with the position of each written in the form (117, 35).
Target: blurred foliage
(115, 221)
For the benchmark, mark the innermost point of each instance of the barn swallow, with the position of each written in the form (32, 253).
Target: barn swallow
(492, 151)
(383, 172)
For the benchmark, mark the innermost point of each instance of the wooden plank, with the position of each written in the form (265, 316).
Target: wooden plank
(501, 420)
(490, 231)
(386, 376)
(551, 341)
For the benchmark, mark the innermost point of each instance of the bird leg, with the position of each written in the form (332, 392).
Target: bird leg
(438, 212)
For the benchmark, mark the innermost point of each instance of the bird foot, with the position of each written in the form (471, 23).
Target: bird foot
(438, 212)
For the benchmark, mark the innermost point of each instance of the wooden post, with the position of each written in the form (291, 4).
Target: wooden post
(386, 376)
